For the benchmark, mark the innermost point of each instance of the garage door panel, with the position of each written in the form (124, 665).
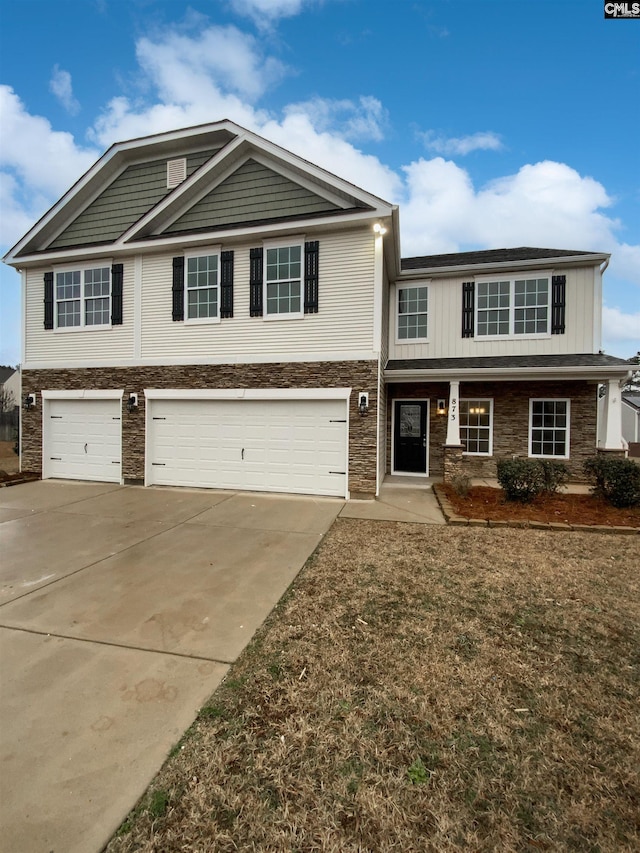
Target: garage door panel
(275, 445)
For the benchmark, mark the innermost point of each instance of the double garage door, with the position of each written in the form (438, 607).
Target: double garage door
(259, 445)
(279, 445)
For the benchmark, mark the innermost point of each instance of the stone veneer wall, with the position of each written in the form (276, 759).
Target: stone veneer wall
(510, 420)
(358, 375)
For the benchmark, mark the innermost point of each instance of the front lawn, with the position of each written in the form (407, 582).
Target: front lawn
(422, 688)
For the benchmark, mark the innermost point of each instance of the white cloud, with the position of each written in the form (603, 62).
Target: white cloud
(364, 119)
(620, 330)
(462, 145)
(60, 85)
(265, 12)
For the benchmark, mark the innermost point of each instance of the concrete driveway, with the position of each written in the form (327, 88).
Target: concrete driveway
(121, 609)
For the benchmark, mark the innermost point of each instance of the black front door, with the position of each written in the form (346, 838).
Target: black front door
(410, 436)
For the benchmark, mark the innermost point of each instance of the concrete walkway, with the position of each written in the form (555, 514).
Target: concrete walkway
(121, 610)
(401, 499)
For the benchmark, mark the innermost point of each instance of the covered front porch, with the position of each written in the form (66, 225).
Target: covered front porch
(460, 416)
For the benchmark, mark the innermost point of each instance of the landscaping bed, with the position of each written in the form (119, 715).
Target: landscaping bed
(422, 688)
(490, 504)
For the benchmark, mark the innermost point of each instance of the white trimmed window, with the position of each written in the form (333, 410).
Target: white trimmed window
(513, 306)
(202, 285)
(283, 281)
(412, 313)
(476, 426)
(83, 297)
(549, 428)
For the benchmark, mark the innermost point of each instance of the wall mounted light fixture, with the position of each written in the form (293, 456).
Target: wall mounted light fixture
(441, 408)
(30, 402)
(379, 229)
(363, 403)
(132, 402)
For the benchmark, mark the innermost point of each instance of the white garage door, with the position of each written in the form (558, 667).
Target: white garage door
(260, 445)
(82, 440)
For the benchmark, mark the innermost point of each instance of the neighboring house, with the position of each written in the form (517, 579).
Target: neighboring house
(204, 308)
(9, 402)
(631, 420)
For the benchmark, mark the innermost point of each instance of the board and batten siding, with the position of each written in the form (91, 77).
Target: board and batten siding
(344, 322)
(75, 346)
(132, 194)
(445, 323)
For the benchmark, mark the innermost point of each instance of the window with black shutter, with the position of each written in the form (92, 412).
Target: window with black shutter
(468, 308)
(255, 282)
(311, 277)
(48, 300)
(226, 284)
(558, 303)
(177, 289)
(116, 294)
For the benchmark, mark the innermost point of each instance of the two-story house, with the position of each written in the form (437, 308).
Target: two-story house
(204, 308)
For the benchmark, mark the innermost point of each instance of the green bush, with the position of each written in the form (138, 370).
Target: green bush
(554, 474)
(521, 479)
(614, 479)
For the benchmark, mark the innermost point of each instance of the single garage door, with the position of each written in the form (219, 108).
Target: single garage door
(82, 440)
(260, 445)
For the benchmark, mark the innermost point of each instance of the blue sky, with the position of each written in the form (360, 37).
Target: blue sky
(492, 123)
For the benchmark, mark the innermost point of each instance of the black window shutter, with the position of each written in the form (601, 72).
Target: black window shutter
(116, 295)
(558, 303)
(48, 300)
(226, 284)
(468, 308)
(255, 282)
(178, 288)
(311, 277)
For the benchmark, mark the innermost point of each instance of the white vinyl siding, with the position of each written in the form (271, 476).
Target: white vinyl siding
(344, 322)
(445, 330)
(74, 348)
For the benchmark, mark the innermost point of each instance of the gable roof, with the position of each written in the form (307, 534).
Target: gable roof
(5, 373)
(632, 398)
(124, 197)
(492, 258)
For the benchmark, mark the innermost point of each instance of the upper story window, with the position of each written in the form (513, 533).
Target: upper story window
(203, 286)
(83, 297)
(283, 280)
(412, 313)
(514, 306)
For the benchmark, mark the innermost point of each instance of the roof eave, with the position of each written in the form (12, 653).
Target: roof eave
(532, 263)
(502, 374)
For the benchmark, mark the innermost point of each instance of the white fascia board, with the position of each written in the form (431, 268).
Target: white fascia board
(597, 374)
(182, 242)
(267, 358)
(80, 394)
(503, 266)
(247, 393)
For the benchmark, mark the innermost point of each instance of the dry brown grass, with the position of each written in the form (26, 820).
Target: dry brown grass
(422, 689)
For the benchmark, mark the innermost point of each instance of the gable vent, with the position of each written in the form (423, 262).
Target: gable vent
(176, 172)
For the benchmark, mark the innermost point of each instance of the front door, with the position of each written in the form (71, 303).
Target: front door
(410, 436)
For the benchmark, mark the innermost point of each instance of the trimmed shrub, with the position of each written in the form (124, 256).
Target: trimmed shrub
(521, 479)
(614, 479)
(554, 474)
(461, 485)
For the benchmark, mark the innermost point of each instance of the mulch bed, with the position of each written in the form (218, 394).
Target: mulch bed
(488, 503)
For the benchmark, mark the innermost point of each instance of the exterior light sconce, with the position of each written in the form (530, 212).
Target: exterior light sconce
(379, 229)
(30, 402)
(441, 408)
(132, 402)
(363, 403)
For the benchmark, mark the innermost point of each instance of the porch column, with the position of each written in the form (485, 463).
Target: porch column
(453, 416)
(611, 438)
